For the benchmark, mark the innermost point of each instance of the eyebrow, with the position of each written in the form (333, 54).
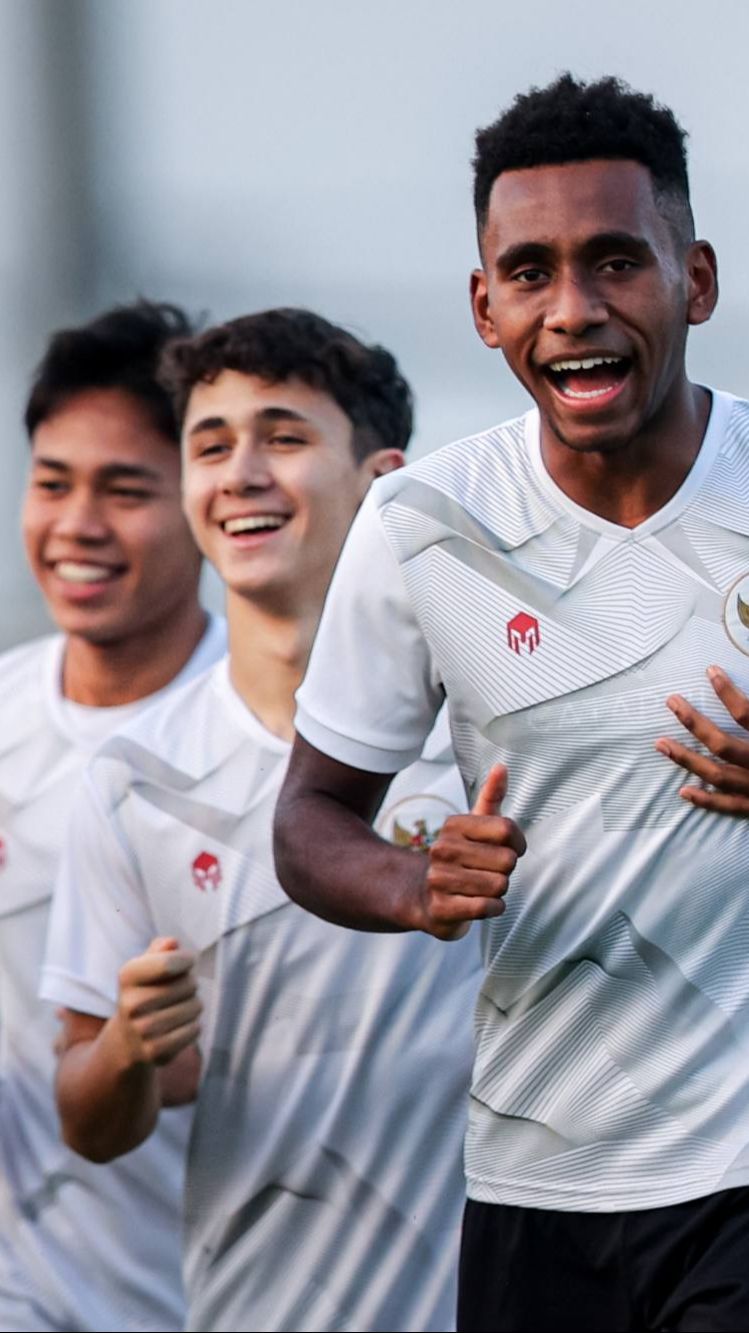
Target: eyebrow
(110, 472)
(529, 252)
(267, 415)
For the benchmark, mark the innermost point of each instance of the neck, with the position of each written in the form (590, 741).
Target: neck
(268, 654)
(632, 482)
(104, 675)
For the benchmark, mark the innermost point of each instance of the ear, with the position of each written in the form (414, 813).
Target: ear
(702, 271)
(382, 461)
(480, 308)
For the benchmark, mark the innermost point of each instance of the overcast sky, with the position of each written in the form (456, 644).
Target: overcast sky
(232, 154)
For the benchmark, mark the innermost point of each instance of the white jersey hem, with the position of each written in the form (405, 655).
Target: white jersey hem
(600, 1199)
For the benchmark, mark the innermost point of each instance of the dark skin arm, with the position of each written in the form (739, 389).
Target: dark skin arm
(331, 862)
(726, 767)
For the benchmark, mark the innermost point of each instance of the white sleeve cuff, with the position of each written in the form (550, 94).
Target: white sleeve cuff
(369, 758)
(61, 988)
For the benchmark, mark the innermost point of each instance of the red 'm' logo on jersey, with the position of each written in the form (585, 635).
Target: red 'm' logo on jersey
(206, 871)
(3, 854)
(523, 633)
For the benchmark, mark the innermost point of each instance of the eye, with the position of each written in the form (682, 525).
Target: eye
(212, 450)
(529, 277)
(618, 265)
(130, 493)
(51, 486)
(287, 439)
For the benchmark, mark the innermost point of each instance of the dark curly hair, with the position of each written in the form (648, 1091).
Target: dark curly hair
(120, 349)
(284, 344)
(572, 121)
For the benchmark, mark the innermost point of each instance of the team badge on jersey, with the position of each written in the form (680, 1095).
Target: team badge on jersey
(736, 614)
(415, 822)
(206, 871)
(523, 633)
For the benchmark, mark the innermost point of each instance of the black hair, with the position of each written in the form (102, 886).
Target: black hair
(120, 349)
(572, 121)
(284, 344)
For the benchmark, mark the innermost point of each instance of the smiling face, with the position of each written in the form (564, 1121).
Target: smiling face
(102, 520)
(271, 484)
(589, 295)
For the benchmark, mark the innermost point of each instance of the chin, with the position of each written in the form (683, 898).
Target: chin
(603, 439)
(93, 630)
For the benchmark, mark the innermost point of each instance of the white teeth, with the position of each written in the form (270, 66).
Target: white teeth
(74, 572)
(589, 393)
(587, 364)
(253, 523)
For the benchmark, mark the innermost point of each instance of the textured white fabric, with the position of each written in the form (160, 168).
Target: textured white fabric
(93, 1247)
(324, 1181)
(613, 1023)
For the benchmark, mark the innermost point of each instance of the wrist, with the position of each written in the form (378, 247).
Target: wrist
(410, 907)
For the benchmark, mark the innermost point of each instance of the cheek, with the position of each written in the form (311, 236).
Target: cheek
(162, 536)
(32, 529)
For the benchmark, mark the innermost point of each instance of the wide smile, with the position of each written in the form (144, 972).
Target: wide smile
(588, 383)
(81, 580)
(249, 530)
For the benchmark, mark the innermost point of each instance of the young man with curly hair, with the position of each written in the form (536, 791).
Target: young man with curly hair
(568, 581)
(109, 546)
(324, 1181)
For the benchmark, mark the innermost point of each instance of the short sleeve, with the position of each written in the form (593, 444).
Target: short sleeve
(100, 918)
(371, 692)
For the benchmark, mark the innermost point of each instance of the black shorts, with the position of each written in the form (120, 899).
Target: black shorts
(528, 1270)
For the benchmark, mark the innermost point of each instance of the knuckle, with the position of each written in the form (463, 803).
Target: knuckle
(453, 824)
(441, 849)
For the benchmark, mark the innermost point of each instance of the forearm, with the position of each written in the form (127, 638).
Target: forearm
(108, 1103)
(331, 862)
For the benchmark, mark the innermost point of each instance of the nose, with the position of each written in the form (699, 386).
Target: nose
(575, 305)
(80, 517)
(247, 469)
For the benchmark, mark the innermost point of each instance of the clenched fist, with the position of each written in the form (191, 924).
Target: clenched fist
(158, 1008)
(470, 863)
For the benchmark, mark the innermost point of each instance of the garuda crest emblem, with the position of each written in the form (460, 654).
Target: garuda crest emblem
(736, 614)
(415, 821)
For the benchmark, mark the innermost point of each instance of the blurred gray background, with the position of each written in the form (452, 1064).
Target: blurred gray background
(232, 154)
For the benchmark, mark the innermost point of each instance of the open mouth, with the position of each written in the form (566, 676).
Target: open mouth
(254, 525)
(81, 572)
(588, 379)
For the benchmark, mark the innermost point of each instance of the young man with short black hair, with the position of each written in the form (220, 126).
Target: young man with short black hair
(558, 578)
(324, 1181)
(109, 546)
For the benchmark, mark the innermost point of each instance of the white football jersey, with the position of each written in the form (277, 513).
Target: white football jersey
(94, 1247)
(324, 1179)
(612, 1067)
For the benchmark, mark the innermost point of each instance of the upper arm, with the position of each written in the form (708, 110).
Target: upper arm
(372, 689)
(312, 773)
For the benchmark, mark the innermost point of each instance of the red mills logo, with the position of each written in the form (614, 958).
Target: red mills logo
(206, 871)
(523, 633)
(3, 854)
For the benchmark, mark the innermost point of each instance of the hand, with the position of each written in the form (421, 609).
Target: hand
(158, 1007)
(726, 768)
(470, 863)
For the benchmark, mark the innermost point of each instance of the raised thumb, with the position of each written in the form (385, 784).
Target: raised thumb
(493, 792)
